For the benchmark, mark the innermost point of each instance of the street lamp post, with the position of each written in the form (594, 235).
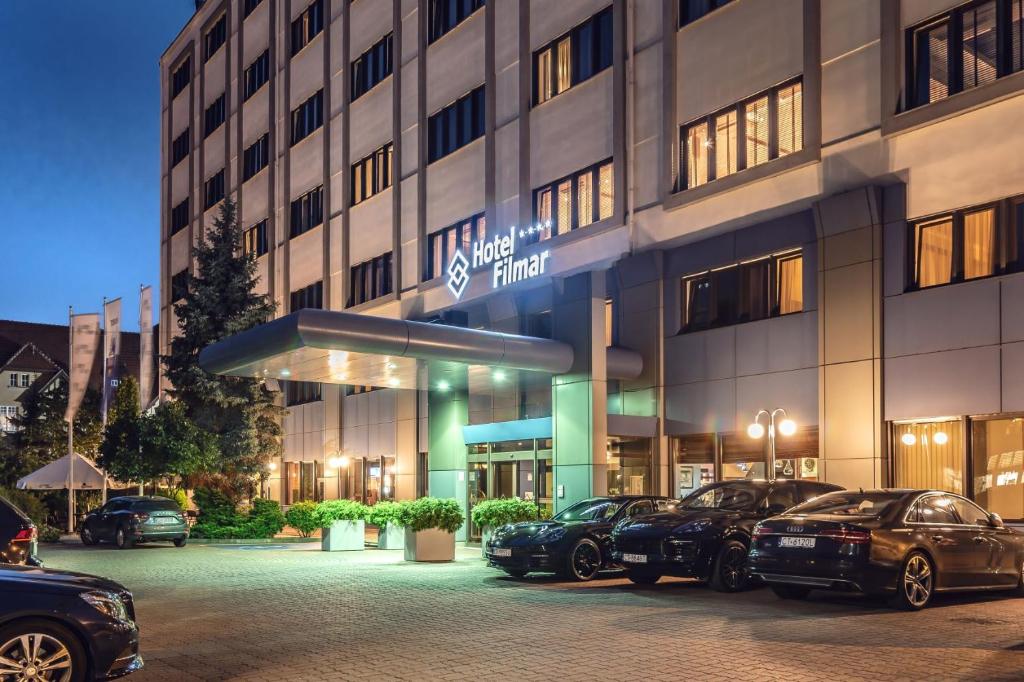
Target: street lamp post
(787, 427)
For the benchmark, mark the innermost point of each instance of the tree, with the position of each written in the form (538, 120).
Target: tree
(174, 446)
(221, 300)
(120, 454)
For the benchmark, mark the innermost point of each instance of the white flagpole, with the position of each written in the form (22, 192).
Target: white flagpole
(71, 426)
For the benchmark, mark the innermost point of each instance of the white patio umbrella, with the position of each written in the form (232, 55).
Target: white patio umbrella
(57, 474)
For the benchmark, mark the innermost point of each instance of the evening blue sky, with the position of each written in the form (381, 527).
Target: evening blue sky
(80, 152)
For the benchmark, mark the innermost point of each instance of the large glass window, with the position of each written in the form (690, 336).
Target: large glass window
(371, 67)
(742, 136)
(256, 157)
(629, 465)
(181, 77)
(571, 202)
(179, 216)
(456, 125)
(574, 57)
(180, 148)
(694, 459)
(370, 279)
(444, 243)
(307, 26)
(967, 47)
(447, 14)
(929, 455)
(372, 174)
(301, 392)
(997, 454)
(257, 74)
(215, 37)
(213, 190)
(311, 296)
(307, 211)
(254, 239)
(308, 117)
(213, 117)
(960, 246)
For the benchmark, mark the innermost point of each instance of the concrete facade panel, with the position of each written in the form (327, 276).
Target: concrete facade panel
(943, 384)
(944, 318)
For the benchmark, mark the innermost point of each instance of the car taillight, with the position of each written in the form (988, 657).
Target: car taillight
(760, 531)
(850, 537)
(25, 535)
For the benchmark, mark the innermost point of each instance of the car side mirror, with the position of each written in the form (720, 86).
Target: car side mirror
(995, 520)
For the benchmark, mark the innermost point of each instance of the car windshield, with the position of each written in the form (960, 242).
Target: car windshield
(156, 505)
(725, 496)
(848, 504)
(589, 510)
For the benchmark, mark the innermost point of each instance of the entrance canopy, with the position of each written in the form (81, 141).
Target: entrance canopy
(347, 348)
(54, 476)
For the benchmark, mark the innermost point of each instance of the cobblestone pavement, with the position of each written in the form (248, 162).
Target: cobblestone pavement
(295, 613)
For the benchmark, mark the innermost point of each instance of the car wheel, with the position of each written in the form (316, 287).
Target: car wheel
(41, 650)
(791, 591)
(643, 577)
(180, 542)
(729, 574)
(916, 583)
(88, 538)
(515, 572)
(123, 540)
(584, 560)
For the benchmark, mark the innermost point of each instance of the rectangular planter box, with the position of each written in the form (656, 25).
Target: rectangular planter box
(391, 536)
(344, 536)
(430, 545)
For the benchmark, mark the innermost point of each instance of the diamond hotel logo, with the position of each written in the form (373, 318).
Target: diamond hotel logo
(458, 274)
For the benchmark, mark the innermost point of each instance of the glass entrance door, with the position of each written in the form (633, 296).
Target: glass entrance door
(476, 491)
(504, 479)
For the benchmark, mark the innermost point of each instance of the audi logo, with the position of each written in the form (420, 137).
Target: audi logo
(794, 529)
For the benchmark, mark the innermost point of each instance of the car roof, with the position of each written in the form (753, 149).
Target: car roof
(139, 498)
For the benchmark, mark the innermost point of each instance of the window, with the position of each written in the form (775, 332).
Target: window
(936, 509)
(179, 216)
(692, 10)
(179, 148)
(308, 297)
(965, 48)
(997, 453)
(254, 239)
(307, 117)
(574, 57)
(181, 77)
(370, 280)
(179, 286)
(372, 174)
(447, 14)
(215, 37)
(255, 157)
(456, 125)
(576, 201)
(357, 390)
(748, 134)
(744, 292)
(214, 116)
(248, 7)
(301, 392)
(371, 67)
(957, 247)
(444, 242)
(609, 322)
(307, 211)
(968, 512)
(257, 74)
(307, 26)
(929, 455)
(213, 191)
(13, 380)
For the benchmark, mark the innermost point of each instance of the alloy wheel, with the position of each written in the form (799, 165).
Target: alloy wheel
(917, 581)
(586, 561)
(33, 657)
(732, 566)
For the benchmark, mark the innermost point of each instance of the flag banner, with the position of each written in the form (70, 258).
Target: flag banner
(145, 346)
(111, 351)
(85, 341)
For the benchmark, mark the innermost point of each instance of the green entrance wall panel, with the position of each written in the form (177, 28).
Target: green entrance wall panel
(576, 482)
(572, 405)
(448, 413)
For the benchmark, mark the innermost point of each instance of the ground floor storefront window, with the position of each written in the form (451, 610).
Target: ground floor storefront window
(930, 455)
(302, 481)
(629, 465)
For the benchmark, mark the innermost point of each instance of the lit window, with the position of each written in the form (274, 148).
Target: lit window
(725, 144)
(935, 252)
(569, 203)
(444, 242)
(697, 145)
(757, 131)
(564, 191)
(544, 89)
(790, 284)
(606, 202)
(564, 78)
(791, 126)
(570, 59)
(979, 243)
(929, 455)
(585, 199)
(609, 322)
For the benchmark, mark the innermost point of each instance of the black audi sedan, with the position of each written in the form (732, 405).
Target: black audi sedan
(57, 625)
(128, 520)
(574, 544)
(707, 534)
(906, 543)
(18, 537)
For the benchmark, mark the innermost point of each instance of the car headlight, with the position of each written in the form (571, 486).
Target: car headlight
(107, 603)
(551, 534)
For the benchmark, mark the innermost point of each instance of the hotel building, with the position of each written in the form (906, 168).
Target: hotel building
(562, 249)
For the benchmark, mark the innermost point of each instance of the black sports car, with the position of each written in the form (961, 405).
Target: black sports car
(911, 543)
(135, 518)
(58, 625)
(574, 544)
(17, 536)
(707, 534)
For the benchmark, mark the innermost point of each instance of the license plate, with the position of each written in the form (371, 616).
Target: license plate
(635, 558)
(501, 552)
(803, 543)
(165, 520)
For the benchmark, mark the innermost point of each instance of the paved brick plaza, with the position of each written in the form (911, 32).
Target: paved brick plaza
(289, 613)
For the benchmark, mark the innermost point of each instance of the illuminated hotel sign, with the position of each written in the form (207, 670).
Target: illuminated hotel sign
(500, 253)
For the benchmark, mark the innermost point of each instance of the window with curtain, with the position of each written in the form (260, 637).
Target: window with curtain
(570, 203)
(606, 199)
(935, 253)
(979, 243)
(372, 174)
(741, 136)
(929, 455)
(964, 245)
(574, 57)
(254, 239)
(585, 197)
(790, 284)
(443, 243)
(754, 280)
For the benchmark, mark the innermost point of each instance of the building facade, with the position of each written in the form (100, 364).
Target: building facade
(719, 206)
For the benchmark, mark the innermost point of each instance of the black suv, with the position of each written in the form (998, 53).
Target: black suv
(58, 625)
(17, 536)
(137, 518)
(706, 535)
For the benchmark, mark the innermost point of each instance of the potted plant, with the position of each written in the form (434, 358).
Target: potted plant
(430, 525)
(385, 515)
(343, 523)
(491, 514)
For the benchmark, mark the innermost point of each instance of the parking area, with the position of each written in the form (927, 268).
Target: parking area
(292, 612)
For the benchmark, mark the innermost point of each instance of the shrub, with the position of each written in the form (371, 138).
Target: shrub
(383, 513)
(181, 498)
(32, 506)
(219, 519)
(432, 512)
(265, 518)
(498, 512)
(302, 517)
(49, 534)
(329, 511)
